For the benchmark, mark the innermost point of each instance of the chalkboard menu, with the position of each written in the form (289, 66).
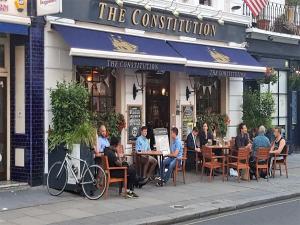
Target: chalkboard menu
(134, 121)
(162, 140)
(187, 120)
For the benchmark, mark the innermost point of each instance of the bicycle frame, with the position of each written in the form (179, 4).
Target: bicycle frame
(67, 161)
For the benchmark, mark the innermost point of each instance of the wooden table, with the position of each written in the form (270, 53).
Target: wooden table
(159, 155)
(218, 147)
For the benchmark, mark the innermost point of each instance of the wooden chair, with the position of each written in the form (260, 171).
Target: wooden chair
(110, 180)
(261, 161)
(280, 160)
(180, 166)
(239, 162)
(212, 162)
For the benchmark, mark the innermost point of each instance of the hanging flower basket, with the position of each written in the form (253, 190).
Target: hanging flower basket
(270, 77)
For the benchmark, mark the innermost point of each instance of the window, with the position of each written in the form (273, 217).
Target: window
(101, 83)
(2, 56)
(207, 95)
(205, 2)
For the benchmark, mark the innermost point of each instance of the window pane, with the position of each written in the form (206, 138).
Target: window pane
(282, 82)
(205, 2)
(282, 105)
(2, 56)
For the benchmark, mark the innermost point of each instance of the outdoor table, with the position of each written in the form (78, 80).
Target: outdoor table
(159, 155)
(225, 148)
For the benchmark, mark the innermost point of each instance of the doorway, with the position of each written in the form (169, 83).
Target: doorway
(158, 100)
(3, 130)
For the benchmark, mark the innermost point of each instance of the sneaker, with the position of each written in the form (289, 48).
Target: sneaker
(158, 178)
(134, 195)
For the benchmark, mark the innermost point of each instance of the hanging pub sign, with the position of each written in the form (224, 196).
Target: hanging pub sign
(187, 120)
(134, 121)
(132, 16)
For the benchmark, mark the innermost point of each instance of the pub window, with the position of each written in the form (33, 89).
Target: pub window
(207, 95)
(2, 56)
(101, 83)
(205, 2)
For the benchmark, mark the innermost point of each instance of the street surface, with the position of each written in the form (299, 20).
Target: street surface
(280, 213)
(170, 204)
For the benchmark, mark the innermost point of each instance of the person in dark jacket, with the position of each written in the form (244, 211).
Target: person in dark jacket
(205, 135)
(193, 148)
(114, 161)
(242, 140)
(192, 141)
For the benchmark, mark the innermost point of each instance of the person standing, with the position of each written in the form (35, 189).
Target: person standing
(148, 163)
(176, 152)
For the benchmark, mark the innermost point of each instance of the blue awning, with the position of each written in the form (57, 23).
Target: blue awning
(93, 48)
(12, 28)
(205, 60)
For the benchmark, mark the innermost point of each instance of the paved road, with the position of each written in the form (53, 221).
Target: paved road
(286, 212)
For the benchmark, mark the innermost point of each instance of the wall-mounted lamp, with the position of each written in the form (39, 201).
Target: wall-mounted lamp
(135, 90)
(200, 17)
(148, 6)
(175, 12)
(221, 21)
(89, 78)
(163, 91)
(119, 3)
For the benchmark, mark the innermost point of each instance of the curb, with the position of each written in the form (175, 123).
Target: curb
(198, 215)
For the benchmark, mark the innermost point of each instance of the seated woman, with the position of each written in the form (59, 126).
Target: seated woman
(278, 146)
(205, 135)
(114, 161)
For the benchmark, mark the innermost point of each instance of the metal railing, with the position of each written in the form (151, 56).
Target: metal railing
(277, 17)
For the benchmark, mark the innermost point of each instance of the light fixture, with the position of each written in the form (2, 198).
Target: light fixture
(148, 6)
(235, 7)
(175, 12)
(89, 78)
(163, 91)
(119, 3)
(221, 21)
(135, 90)
(199, 16)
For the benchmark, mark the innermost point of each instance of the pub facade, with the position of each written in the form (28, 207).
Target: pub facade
(157, 66)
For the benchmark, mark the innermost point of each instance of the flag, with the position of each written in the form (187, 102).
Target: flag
(256, 6)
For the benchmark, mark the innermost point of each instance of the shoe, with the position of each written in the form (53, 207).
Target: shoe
(152, 178)
(134, 195)
(160, 183)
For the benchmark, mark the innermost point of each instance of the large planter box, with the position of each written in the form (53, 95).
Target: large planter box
(81, 151)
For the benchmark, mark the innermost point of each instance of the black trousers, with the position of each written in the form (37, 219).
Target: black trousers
(131, 176)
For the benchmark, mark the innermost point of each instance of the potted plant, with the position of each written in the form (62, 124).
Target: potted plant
(113, 121)
(257, 109)
(270, 77)
(215, 122)
(294, 81)
(71, 125)
(263, 24)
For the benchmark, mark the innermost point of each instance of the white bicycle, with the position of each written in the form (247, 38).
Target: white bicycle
(92, 178)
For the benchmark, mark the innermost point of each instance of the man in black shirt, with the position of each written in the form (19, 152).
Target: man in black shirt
(114, 161)
(242, 140)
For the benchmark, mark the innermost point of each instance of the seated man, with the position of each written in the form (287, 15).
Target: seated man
(114, 161)
(102, 140)
(192, 144)
(278, 146)
(170, 162)
(260, 141)
(242, 140)
(148, 163)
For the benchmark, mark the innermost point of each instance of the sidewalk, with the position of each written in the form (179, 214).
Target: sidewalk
(155, 205)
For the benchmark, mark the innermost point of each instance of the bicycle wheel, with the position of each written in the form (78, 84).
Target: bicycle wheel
(57, 179)
(94, 182)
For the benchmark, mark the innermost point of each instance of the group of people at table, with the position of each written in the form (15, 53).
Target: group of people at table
(194, 142)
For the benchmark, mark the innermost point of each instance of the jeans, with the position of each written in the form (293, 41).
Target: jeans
(169, 163)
